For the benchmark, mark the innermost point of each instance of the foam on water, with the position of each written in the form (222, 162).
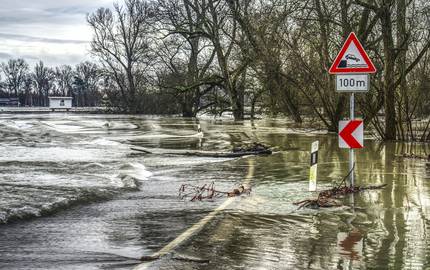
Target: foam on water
(47, 193)
(134, 170)
(20, 202)
(155, 136)
(57, 170)
(105, 142)
(56, 154)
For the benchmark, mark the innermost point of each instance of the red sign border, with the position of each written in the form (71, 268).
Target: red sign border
(352, 38)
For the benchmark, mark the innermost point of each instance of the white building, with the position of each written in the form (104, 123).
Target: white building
(56, 103)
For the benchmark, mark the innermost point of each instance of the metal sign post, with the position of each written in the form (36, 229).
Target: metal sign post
(351, 150)
(352, 67)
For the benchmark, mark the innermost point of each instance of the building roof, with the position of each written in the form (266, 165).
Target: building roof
(60, 97)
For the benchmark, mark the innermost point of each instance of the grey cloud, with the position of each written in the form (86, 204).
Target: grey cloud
(54, 60)
(26, 12)
(23, 22)
(40, 39)
(5, 55)
(28, 16)
(73, 10)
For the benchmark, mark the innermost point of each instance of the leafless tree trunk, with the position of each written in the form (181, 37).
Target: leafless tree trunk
(120, 42)
(268, 58)
(184, 21)
(389, 68)
(217, 22)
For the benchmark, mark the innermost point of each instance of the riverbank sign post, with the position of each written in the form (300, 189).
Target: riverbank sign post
(314, 166)
(352, 67)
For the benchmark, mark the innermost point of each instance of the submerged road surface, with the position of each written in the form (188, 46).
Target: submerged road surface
(74, 195)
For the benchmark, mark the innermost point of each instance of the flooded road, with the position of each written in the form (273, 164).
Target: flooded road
(74, 195)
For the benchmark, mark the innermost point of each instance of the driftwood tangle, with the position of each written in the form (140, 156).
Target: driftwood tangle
(327, 198)
(208, 192)
(255, 149)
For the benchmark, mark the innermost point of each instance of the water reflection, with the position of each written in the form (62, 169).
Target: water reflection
(350, 244)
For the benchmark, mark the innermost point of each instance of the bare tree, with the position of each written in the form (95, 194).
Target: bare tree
(222, 30)
(15, 71)
(43, 78)
(64, 78)
(264, 36)
(187, 54)
(121, 43)
(86, 84)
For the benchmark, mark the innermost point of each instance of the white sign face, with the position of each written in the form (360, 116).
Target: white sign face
(352, 82)
(352, 58)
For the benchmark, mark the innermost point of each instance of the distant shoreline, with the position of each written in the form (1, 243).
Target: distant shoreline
(7, 110)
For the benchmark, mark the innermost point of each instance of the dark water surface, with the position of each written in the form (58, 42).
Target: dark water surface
(75, 196)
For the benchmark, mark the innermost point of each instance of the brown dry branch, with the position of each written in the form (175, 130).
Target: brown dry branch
(208, 192)
(327, 198)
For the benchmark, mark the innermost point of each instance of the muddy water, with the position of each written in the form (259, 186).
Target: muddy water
(75, 196)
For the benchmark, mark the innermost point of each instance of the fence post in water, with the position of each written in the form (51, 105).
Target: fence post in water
(313, 169)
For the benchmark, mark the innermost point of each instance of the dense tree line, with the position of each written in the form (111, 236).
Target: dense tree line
(33, 86)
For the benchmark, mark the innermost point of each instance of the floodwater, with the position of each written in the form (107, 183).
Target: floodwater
(74, 195)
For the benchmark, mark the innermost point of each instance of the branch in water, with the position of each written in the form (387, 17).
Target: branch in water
(327, 198)
(208, 192)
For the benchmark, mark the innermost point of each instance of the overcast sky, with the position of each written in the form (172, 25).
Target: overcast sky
(54, 31)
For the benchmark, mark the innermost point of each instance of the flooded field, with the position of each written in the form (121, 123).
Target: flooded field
(74, 195)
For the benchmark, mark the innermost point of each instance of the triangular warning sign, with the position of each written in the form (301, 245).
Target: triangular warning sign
(352, 58)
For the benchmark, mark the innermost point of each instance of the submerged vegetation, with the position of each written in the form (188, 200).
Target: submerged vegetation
(246, 57)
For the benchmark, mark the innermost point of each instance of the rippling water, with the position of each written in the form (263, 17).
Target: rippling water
(74, 195)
